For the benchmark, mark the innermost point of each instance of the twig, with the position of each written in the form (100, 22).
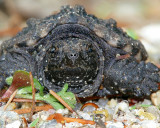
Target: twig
(37, 108)
(33, 95)
(25, 123)
(77, 98)
(82, 121)
(10, 99)
(61, 100)
(59, 118)
(19, 100)
(89, 104)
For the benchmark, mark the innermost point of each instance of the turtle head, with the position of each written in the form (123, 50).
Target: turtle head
(74, 59)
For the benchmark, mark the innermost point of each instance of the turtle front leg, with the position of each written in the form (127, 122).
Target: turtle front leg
(128, 77)
(12, 61)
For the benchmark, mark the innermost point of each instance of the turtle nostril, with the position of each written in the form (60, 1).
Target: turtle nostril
(73, 56)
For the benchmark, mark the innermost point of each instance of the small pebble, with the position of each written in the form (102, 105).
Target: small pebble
(102, 102)
(155, 111)
(145, 115)
(15, 124)
(155, 98)
(147, 102)
(63, 111)
(73, 125)
(114, 125)
(149, 124)
(110, 110)
(100, 111)
(122, 106)
(26, 105)
(8, 117)
(43, 115)
(78, 106)
(84, 115)
(51, 111)
(135, 126)
(89, 109)
(10, 107)
(49, 124)
(112, 103)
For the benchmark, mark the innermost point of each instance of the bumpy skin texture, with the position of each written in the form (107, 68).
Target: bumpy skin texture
(79, 49)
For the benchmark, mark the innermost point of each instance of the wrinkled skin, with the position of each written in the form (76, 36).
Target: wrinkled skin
(81, 50)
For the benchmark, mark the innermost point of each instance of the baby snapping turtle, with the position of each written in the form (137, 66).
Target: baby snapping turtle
(79, 49)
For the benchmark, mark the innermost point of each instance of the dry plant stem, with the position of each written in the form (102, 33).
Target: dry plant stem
(82, 121)
(10, 99)
(33, 95)
(37, 109)
(60, 119)
(89, 104)
(19, 100)
(25, 123)
(61, 100)
(77, 98)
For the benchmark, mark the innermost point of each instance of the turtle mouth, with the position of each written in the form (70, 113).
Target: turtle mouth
(75, 77)
(72, 56)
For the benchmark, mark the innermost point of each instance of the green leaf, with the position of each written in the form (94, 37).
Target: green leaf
(38, 86)
(132, 34)
(68, 97)
(21, 80)
(145, 105)
(64, 89)
(53, 101)
(25, 90)
(133, 107)
(48, 98)
(9, 80)
(34, 123)
(142, 105)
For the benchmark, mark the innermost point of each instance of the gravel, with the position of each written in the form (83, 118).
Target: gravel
(9, 119)
(114, 113)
